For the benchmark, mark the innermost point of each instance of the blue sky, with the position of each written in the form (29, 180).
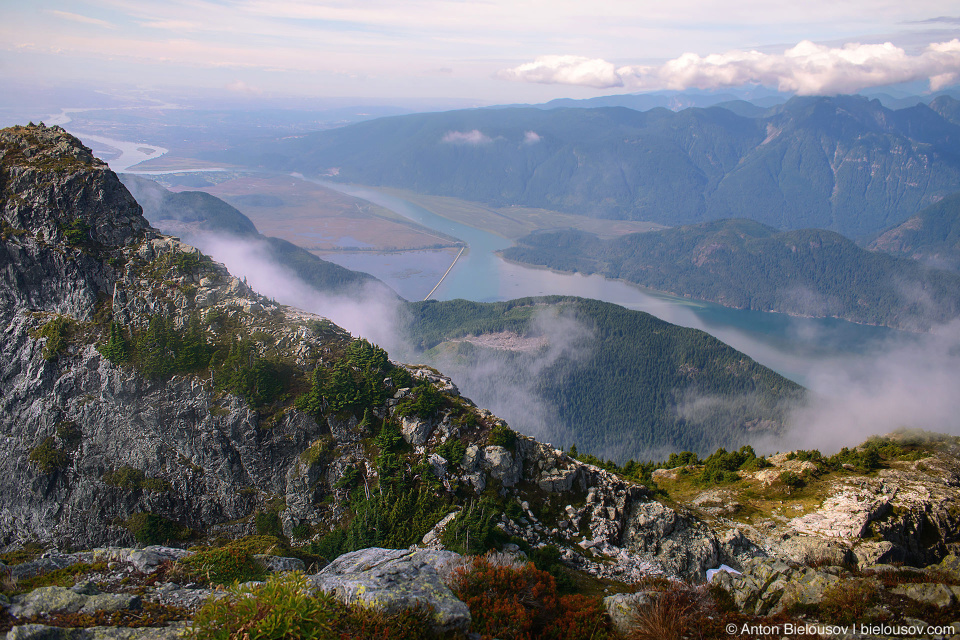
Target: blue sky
(489, 51)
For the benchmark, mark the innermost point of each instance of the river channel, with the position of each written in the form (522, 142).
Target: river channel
(795, 347)
(790, 345)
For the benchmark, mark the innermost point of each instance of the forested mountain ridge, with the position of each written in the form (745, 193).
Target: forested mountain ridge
(618, 382)
(932, 236)
(844, 163)
(747, 265)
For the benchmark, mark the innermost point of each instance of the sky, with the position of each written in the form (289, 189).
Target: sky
(488, 51)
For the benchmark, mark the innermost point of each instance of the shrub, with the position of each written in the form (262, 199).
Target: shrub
(515, 603)
(473, 530)
(57, 332)
(124, 478)
(547, 558)
(424, 401)
(453, 450)
(152, 528)
(792, 480)
(846, 603)
(280, 608)
(671, 616)
(683, 459)
(133, 479)
(220, 565)
(722, 465)
(502, 436)
(48, 457)
(77, 232)
(116, 349)
(268, 524)
(302, 531)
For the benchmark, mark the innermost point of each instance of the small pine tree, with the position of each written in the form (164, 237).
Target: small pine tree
(116, 349)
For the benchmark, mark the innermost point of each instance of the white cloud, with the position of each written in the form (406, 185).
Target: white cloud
(466, 137)
(806, 69)
(577, 70)
(531, 137)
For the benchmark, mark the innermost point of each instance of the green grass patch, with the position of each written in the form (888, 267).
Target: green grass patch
(66, 577)
(282, 608)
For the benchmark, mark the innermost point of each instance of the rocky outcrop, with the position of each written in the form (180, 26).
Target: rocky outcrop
(395, 580)
(768, 586)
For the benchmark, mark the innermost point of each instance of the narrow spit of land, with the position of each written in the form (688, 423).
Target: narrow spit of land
(452, 264)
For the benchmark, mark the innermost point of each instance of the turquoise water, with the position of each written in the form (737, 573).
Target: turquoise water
(790, 345)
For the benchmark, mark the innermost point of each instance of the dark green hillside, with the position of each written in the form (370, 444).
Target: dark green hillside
(200, 210)
(192, 214)
(620, 395)
(845, 163)
(932, 236)
(747, 265)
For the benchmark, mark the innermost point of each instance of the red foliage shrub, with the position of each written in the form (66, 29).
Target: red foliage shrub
(521, 603)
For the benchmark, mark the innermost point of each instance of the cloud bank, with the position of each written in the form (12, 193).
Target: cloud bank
(806, 69)
(910, 382)
(466, 137)
(576, 70)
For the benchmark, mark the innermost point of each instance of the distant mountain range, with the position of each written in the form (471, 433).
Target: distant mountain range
(847, 164)
(747, 265)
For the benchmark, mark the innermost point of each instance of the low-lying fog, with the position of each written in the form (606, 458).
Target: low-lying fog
(904, 381)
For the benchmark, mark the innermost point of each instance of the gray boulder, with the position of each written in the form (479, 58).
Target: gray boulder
(502, 465)
(146, 560)
(622, 610)
(393, 580)
(768, 585)
(278, 564)
(941, 595)
(415, 431)
(46, 600)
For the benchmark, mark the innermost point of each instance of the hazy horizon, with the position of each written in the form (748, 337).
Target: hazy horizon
(464, 53)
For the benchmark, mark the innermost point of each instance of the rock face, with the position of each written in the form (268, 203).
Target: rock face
(75, 245)
(395, 580)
